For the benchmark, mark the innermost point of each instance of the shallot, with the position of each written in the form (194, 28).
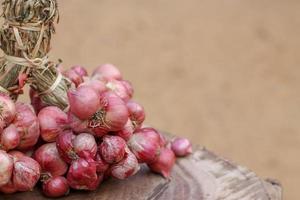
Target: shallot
(56, 187)
(145, 144)
(112, 115)
(64, 144)
(98, 86)
(112, 149)
(73, 76)
(36, 101)
(164, 163)
(101, 165)
(7, 109)
(6, 167)
(80, 70)
(84, 102)
(119, 88)
(53, 121)
(127, 131)
(48, 157)
(181, 147)
(136, 113)
(9, 138)
(28, 126)
(107, 72)
(26, 173)
(126, 167)
(82, 174)
(85, 145)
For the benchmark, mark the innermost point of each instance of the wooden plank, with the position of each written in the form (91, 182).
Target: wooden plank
(200, 176)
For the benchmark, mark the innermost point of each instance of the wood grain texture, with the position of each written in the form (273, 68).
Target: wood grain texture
(200, 176)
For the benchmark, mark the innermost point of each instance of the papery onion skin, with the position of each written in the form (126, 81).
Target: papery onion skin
(101, 165)
(127, 131)
(136, 113)
(73, 76)
(7, 109)
(145, 144)
(80, 70)
(53, 121)
(126, 167)
(64, 144)
(85, 145)
(28, 126)
(48, 157)
(120, 89)
(9, 138)
(16, 155)
(82, 174)
(98, 86)
(112, 149)
(36, 101)
(164, 164)
(129, 87)
(84, 102)
(26, 173)
(78, 125)
(6, 168)
(181, 147)
(8, 188)
(163, 140)
(56, 187)
(113, 113)
(107, 72)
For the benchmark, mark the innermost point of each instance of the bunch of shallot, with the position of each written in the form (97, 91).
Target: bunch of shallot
(100, 136)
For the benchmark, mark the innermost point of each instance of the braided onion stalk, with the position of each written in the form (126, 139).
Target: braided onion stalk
(25, 40)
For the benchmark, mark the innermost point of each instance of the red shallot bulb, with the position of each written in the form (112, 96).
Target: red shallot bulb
(112, 115)
(120, 89)
(27, 124)
(64, 144)
(9, 138)
(7, 109)
(80, 70)
(107, 72)
(127, 131)
(163, 140)
(8, 188)
(48, 158)
(181, 147)
(126, 167)
(6, 167)
(84, 102)
(26, 173)
(82, 174)
(36, 101)
(73, 76)
(97, 85)
(101, 165)
(78, 125)
(56, 187)
(112, 149)
(136, 113)
(128, 86)
(16, 155)
(165, 162)
(53, 121)
(145, 144)
(85, 145)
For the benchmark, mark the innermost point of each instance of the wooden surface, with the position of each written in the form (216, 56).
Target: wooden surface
(201, 176)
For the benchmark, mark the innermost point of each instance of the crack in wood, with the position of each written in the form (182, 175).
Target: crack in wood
(158, 191)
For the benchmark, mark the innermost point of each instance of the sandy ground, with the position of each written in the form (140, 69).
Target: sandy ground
(224, 73)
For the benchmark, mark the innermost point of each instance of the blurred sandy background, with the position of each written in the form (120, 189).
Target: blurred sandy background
(225, 74)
